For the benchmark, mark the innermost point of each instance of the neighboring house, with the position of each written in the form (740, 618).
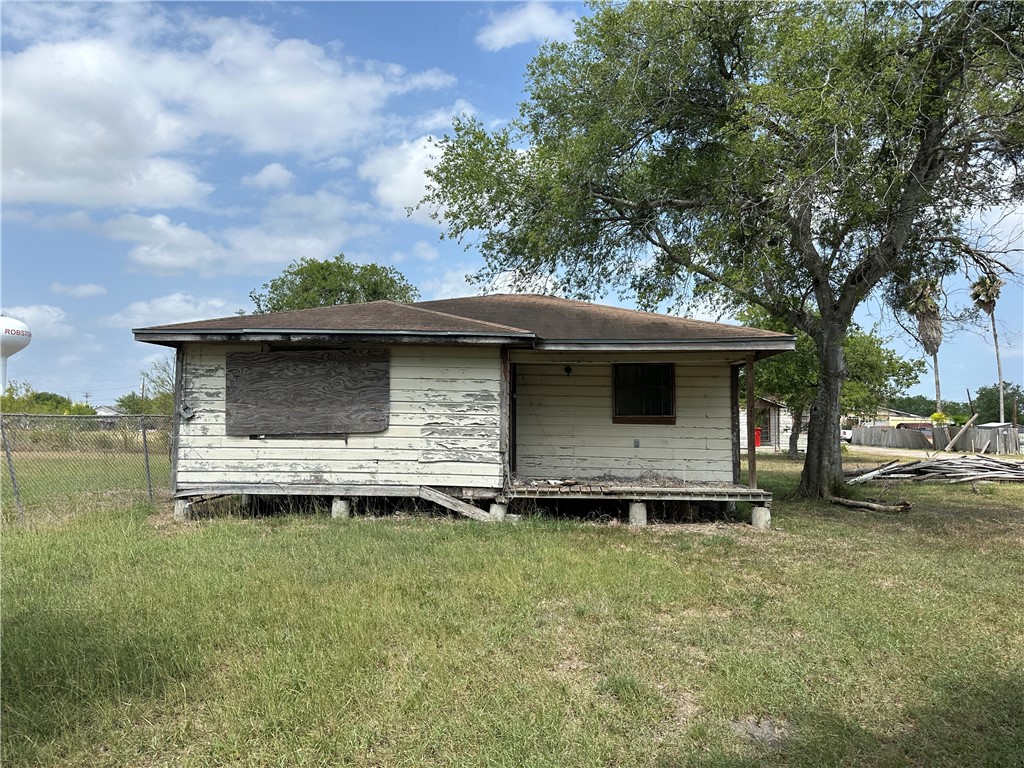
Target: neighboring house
(109, 416)
(460, 400)
(889, 417)
(776, 424)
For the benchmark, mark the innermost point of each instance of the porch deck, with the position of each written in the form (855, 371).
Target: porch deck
(572, 489)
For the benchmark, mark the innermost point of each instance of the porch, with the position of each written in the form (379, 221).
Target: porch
(639, 495)
(588, 489)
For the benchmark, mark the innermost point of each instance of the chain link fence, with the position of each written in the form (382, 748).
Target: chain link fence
(55, 465)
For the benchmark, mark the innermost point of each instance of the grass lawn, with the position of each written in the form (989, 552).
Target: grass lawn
(838, 638)
(54, 484)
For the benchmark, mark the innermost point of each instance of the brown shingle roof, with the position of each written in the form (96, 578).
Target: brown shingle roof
(556, 319)
(373, 316)
(532, 318)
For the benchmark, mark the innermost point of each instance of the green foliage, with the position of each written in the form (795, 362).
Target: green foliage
(986, 402)
(875, 374)
(159, 377)
(134, 403)
(922, 405)
(309, 283)
(799, 157)
(158, 399)
(985, 292)
(20, 397)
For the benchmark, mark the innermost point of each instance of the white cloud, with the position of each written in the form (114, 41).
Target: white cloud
(421, 250)
(76, 221)
(44, 320)
(164, 247)
(79, 291)
(174, 308)
(290, 227)
(424, 251)
(56, 22)
(450, 284)
(102, 117)
(398, 176)
(527, 23)
(80, 128)
(272, 176)
(441, 119)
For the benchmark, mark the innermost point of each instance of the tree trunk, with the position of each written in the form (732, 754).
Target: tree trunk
(999, 370)
(822, 476)
(794, 435)
(938, 391)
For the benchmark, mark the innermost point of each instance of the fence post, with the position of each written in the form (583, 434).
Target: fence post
(145, 453)
(14, 479)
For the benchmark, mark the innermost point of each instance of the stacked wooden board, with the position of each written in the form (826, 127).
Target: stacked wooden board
(948, 469)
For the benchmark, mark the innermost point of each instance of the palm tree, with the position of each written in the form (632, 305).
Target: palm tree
(985, 293)
(925, 309)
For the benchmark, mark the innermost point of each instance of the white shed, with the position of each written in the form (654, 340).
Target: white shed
(462, 400)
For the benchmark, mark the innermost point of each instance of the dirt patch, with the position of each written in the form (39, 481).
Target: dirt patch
(163, 522)
(684, 707)
(761, 731)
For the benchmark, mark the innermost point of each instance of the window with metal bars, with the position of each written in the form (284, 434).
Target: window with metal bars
(644, 393)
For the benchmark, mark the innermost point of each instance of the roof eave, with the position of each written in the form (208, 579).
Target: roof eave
(175, 338)
(768, 346)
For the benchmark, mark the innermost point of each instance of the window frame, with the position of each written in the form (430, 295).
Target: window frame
(666, 418)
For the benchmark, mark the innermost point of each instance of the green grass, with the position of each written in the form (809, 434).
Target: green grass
(863, 639)
(54, 484)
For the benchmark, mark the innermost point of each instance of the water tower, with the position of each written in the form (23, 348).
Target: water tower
(15, 338)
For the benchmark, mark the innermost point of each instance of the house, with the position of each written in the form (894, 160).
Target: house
(890, 417)
(775, 421)
(462, 401)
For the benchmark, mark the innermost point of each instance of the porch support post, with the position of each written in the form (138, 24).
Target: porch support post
(506, 423)
(637, 513)
(751, 449)
(734, 421)
(340, 508)
(182, 510)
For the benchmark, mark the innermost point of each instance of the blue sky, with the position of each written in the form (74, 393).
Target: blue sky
(161, 161)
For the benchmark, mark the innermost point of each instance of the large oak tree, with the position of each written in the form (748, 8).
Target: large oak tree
(799, 157)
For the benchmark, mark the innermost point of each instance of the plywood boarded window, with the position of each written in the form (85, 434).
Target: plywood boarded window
(644, 393)
(329, 392)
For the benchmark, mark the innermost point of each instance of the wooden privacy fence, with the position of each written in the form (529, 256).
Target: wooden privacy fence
(888, 437)
(992, 440)
(995, 440)
(52, 464)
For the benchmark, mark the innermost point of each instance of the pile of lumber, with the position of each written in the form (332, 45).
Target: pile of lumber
(948, 469)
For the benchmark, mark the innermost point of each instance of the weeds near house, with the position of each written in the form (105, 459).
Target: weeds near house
(839, 638)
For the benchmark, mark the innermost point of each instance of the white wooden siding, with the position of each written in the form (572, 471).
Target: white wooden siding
(564, 425)
(782, 427)
(444, 428)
